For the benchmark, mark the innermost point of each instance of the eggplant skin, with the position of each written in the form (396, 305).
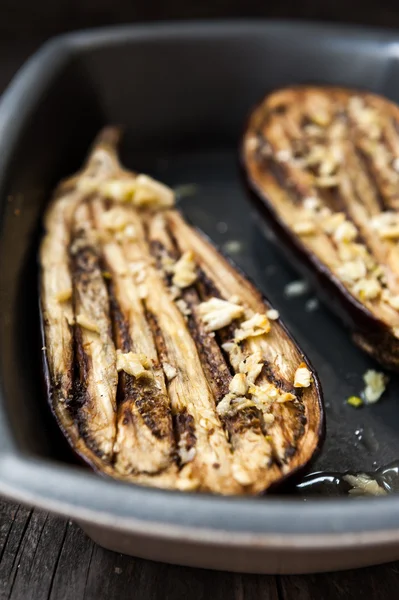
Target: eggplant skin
(164, 365)
(274, 181)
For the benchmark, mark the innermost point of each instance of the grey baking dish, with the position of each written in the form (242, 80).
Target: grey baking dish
(182, 92)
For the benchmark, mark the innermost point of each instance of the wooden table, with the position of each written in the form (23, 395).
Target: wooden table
(43, 557)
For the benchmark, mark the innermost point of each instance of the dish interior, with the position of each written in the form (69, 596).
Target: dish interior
(182, 127)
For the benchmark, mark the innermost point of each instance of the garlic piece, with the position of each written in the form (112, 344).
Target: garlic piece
(114, 219)
(303, 377)
(217, 313)
(272, 314)
(375, 386)
(367, 289)
(235, 354)
(238, 385)
(184, 271)
(257, 325)
(352, 271)
(169, 371)
(346, 232)
(252, 366)
(133, 364)
(118, 189)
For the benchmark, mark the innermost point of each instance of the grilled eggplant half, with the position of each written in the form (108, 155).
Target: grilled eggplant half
(323, 165)
(165, 366)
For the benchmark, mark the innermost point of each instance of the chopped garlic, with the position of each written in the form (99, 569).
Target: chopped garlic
(304, 228)
(238, 385)
(363, 485)
(133, 364)
(185, 455)
(268, 418)
(352, 271)
(235, 354)
(324, 213)
(231, 404)
(174, 292)
(265, 394)
(311, 203)
(251, 143)
(217, 313)
(346, 253)
(345, 232)
(386, 224)
(283, 155)
(375, 386)
(183, 307)
(391, 300)
(169, 371)
(137, 267)
(241, 474)
(118, 189)
(63, 295)
(303, 377)
(389, 233)
(114, 219)
(184, 271)
(224, 405)
(367, 289)
(331, 222)
(296, 288)
(286, 397)
(256, 325)
(152, 193)
(130, 232)
(168, 264)
(252, 366)
(272, 314)
(85, 322)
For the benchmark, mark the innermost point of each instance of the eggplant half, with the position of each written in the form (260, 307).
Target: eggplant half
(165, 366)
(322, 164)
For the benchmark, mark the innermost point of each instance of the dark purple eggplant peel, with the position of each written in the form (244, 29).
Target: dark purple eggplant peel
(323, 165)
(166, 367)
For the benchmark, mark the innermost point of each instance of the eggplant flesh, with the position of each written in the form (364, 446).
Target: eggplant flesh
(165, 365)
(322, 164)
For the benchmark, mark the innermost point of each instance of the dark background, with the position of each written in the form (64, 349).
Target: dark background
(21, 18)
(43, 557)
(26, 24)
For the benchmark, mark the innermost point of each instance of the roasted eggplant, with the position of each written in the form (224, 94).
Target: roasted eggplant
(165, 366)
(322, 164)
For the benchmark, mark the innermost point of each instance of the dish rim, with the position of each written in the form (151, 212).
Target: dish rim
(69, 491)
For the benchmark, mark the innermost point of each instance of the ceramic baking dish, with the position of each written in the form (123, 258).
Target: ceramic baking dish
(182, 92)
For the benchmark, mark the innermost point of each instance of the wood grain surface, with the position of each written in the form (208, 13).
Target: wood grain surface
(43, 557)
